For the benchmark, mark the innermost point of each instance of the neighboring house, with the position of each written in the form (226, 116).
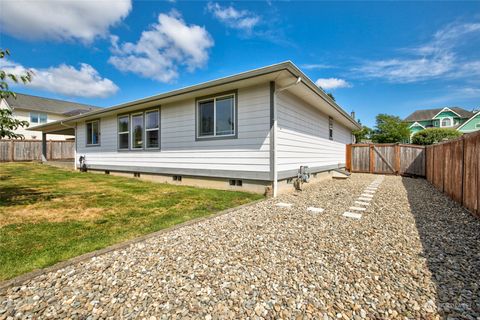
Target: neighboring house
(38, 110)
(453, 117)
(251, 131)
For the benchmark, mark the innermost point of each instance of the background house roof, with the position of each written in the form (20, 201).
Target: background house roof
(428, 114)
(66, 108)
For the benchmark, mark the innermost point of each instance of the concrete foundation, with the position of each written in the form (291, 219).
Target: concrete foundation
(255, 186)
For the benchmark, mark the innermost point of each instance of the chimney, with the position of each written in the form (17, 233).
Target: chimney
(352, 114)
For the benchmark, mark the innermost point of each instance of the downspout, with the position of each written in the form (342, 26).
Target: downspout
(274, 132)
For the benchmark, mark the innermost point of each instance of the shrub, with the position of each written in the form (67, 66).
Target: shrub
(435, 135)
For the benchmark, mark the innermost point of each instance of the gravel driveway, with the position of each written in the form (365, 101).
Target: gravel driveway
(413, 254)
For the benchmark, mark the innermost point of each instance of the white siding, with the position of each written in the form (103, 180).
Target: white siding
(24, 115)
(303, 136)
(249, 152)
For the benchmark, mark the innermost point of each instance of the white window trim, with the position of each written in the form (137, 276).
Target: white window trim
(214, 98)
(470, 119)
(98, 137)
(123, 132)
(451, 122)
(38, 114)
(144, 130)
(132, 136)
(151, 129)
(445, 109)
(416, 124)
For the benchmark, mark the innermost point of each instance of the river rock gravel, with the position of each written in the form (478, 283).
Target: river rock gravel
(414, 254)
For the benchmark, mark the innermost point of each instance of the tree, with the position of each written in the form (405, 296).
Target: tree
(8, 124)
(435, 135)
(390, 129)
(331, 96)
(362, 134)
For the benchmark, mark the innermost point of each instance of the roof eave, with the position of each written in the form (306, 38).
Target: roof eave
(287, 65)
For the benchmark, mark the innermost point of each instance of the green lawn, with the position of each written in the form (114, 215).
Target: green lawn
(48, 214)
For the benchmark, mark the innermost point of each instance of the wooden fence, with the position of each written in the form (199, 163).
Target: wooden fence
(402, 159)
(453, 167)
(31, 150)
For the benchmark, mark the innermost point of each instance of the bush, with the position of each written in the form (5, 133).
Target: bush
(435, 135)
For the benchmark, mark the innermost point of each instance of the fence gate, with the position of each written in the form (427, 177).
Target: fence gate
(386, 159)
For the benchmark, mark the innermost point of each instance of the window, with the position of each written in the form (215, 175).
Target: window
(477, 125)
(216, 117)
(137, 131)
(93, 133)
(123, 132)
(152, 133)
(330, 128)
(446, 122)
(38, 117)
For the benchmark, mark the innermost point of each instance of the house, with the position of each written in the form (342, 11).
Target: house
(251, 131)
(39, 110)
(448, 117)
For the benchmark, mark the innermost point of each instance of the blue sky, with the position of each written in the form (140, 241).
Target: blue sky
(389, 57)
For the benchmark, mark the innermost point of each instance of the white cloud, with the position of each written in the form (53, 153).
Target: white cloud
(332, 83)
(234, 18)
(161, 50)
(315, 66)
(66, 80)
(61, 19)
(434, 59)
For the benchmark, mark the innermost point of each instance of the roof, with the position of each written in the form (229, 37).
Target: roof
(67, 108)
(428, 114)
(268, 73)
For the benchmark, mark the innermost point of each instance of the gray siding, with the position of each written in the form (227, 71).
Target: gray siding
(303, 136)
(179, 150)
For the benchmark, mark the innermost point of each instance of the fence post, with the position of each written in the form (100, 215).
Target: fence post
(397, 159)
(372, 159)
(11, 149)
(348, 155)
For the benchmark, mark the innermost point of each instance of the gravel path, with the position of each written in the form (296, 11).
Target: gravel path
(413, 253)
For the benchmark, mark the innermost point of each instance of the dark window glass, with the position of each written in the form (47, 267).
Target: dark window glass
(152, 139)
(33, 117)
(225, 116)
(123, 141)
(206, 115)
(123, 133)
(123, 124)
(152, 120)
(152, 129)
(89, 133)
(93, 132)
(42, 118)
(137, 131)
(330, 128)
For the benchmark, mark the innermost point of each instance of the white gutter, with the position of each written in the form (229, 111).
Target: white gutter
(274, 131)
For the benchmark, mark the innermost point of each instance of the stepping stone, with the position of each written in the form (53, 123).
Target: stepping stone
(362, 203)
(352, 215)
(315, 210)
(357, 208)
(283, 205)
(367, 195)
(365, 199)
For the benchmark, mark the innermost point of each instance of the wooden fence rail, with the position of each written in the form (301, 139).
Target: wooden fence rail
(453, 167)
(384, 158)
(31, 150)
